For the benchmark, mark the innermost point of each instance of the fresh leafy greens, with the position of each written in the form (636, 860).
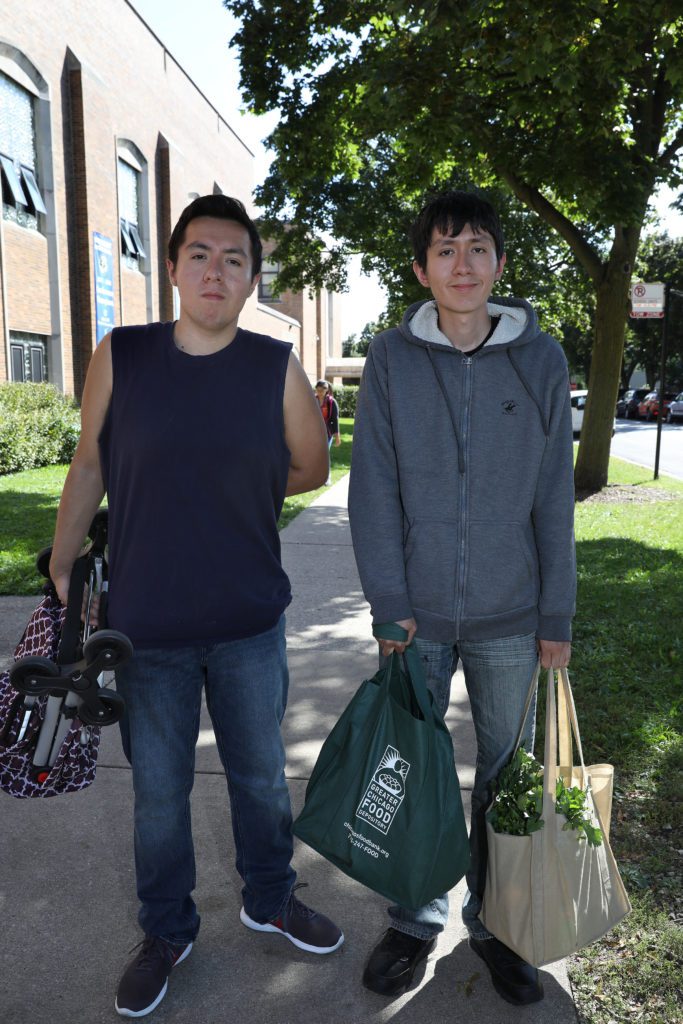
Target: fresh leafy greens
(518, 801)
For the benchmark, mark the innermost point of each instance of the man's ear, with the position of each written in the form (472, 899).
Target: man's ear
(420, 274)
(255, 281)
(170, 267)
(501, 263)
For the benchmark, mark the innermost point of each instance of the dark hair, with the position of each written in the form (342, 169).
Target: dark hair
(449, 213)
(223, 208)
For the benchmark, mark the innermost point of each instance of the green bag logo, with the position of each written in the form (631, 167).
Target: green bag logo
(385, 792)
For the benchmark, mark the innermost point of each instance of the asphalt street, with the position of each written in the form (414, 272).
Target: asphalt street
(636, 441)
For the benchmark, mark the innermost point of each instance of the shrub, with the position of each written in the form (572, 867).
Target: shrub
(347, 396)
(39, 426)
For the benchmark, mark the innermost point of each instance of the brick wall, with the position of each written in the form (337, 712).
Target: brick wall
(106, 79)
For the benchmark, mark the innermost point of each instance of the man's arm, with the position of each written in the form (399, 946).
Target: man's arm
(83, 488)
(553, 520)
(305, 433)
(375, 506)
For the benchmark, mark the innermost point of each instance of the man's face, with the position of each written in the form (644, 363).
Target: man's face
(461, 270)
(213, 272)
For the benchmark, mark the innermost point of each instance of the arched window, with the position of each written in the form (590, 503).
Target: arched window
(20, 88)
(132, 194)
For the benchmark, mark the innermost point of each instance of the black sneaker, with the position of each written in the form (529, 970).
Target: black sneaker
(304, 927)
(145, 980)
(392, 962)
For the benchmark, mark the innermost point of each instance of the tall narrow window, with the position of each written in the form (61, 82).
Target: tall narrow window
(132, 249)
(269, 272)
(22, 200)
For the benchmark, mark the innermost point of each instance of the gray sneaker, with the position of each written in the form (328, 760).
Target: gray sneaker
(145, 980)
(304, 927)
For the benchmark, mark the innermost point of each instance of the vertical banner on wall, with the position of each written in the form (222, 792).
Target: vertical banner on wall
(104, 285)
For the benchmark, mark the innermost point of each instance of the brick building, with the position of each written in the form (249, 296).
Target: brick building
(104, 139)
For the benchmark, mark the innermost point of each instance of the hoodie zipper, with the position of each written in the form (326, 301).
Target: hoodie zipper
(462, 486)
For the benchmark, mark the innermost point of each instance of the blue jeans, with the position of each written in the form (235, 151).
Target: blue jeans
(497, 676)
(246, 684)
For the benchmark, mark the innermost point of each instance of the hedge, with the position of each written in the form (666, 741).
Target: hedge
(347, 396)
(39, 426)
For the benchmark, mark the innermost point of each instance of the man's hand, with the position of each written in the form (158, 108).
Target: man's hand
(337, 440)
(554, 653)
(387, 646)
(61, 582)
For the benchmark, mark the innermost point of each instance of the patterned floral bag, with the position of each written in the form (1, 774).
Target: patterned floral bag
(20, 721)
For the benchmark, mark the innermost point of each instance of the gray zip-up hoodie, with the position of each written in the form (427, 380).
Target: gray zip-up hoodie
(461, 498)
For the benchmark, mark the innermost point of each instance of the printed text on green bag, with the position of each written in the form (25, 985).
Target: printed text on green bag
(385, 792)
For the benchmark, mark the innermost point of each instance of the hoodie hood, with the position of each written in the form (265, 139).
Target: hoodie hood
(517, 326)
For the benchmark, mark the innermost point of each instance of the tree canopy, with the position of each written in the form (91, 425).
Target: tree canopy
(574, 106)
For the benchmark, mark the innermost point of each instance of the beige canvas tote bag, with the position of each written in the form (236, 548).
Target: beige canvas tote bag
(550, 893)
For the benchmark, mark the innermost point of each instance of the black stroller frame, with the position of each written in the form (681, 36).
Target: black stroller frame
(73, 681)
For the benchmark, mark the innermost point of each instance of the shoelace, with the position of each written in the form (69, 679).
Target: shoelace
(151, 944)
(295, 905)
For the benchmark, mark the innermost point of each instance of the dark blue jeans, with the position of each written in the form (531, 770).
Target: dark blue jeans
(246, 684)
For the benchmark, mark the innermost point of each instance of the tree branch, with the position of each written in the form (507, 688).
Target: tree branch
(585, 254)
(673, 147)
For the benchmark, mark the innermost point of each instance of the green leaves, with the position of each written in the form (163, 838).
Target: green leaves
(518, 802)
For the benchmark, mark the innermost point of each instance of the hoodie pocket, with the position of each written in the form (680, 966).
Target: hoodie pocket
(502, 572)
(431, 558)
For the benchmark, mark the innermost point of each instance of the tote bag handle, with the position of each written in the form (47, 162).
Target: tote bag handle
(564, 719)
(413, 666)
(529, 697)
(550, 752)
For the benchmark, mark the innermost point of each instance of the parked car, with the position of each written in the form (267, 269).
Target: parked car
(675, 411)
(627, 406)
(578, 404)
(649, 407)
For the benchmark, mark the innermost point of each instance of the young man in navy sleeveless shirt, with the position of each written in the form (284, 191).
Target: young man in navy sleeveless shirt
(197, 430)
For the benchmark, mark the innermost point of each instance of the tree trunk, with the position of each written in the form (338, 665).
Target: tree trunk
(612, 294)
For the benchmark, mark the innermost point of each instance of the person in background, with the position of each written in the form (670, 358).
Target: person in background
(330, 412)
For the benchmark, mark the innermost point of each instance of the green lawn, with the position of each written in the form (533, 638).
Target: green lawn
(627, 674)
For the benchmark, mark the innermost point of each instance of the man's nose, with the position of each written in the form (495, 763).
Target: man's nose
(213, 269)
(461, 262)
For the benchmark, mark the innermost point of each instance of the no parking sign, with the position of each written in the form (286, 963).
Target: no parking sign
(647, 300)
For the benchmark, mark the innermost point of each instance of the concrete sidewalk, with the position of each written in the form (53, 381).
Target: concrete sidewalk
(67, 894)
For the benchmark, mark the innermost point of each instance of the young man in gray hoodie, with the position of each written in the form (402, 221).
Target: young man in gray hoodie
(461, 505)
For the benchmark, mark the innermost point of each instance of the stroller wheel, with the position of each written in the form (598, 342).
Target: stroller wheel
(111, 711)
(31, 665)
(114, 646)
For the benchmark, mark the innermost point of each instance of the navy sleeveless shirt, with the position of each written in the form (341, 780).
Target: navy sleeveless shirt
(195, 466)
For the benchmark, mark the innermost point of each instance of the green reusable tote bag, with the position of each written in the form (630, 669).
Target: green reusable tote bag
(383, 803)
